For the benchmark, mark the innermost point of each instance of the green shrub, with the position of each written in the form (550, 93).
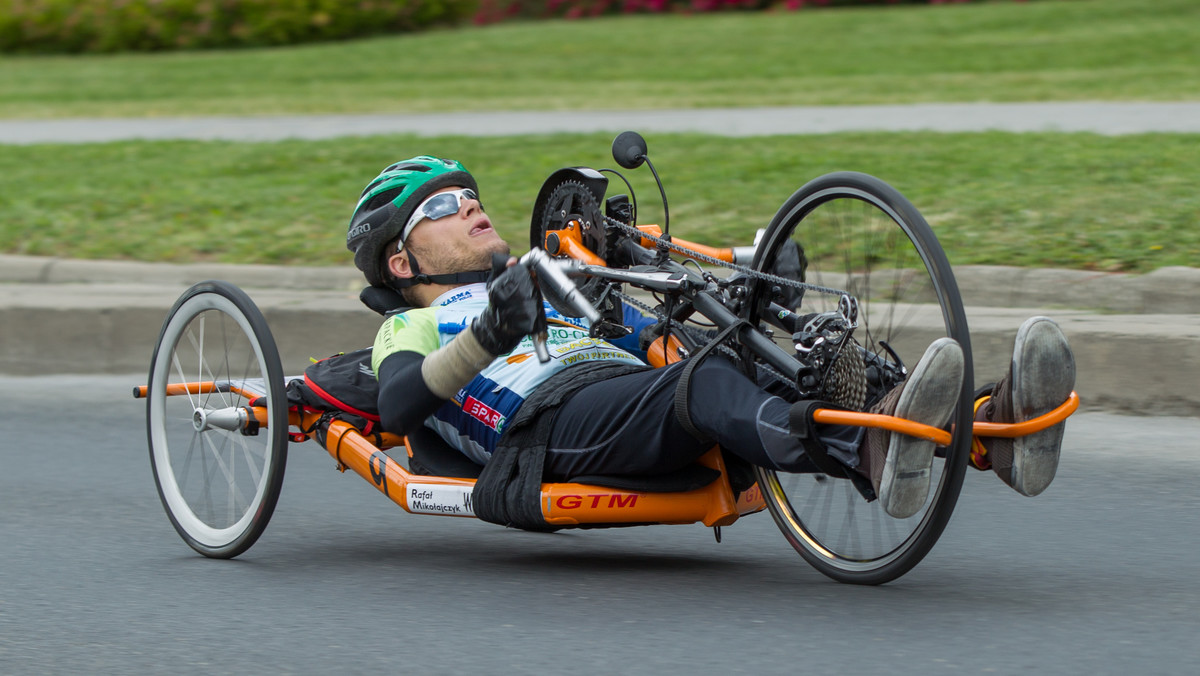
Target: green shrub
(491, 11)
(46, 26)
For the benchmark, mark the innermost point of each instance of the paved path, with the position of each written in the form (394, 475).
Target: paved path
(1100, 118)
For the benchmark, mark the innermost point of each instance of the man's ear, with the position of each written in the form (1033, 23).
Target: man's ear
(399, 266)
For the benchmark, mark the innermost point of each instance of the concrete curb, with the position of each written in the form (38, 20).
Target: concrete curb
(1170, 290)
(48, 270)
(1136, 338)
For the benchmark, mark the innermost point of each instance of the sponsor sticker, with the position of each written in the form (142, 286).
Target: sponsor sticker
(484, 413)
(461, 295)
(435, 499)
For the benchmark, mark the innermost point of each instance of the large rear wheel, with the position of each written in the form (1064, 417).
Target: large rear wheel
(218, 473)
(857, 234)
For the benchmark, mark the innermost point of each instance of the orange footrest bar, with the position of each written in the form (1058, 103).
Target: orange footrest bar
(1011, 430)
(891, 423)
(942, 437)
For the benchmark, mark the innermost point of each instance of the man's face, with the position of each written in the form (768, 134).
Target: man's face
(456, 243)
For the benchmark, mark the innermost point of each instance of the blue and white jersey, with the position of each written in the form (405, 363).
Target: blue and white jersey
(473, 420)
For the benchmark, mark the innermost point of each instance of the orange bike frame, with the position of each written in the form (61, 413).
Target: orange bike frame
(569, 242)
(563, 504)
(721, 254)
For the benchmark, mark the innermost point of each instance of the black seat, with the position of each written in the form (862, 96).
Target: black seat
(432, 456)
(383, 300)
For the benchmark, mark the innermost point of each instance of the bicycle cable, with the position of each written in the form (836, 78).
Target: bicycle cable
(696, 255)
(698, 336)
(701, 337)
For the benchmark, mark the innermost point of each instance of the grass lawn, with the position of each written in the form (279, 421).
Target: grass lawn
(1001, 51)
(1060, 200)
(1056, 200)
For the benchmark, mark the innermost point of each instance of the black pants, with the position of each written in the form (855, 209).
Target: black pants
(627, 425)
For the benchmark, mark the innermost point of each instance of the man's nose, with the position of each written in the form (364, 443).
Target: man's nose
(468, 207)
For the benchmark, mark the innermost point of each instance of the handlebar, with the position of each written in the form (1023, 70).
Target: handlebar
(669, 276)
(553, 277)
(551, 273)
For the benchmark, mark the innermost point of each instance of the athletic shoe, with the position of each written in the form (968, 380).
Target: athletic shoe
(899, 466)
(1039, 379)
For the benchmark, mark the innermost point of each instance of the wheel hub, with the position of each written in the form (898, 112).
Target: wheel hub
(200, 420)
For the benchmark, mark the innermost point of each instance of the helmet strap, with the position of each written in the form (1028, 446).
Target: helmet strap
(419, 277)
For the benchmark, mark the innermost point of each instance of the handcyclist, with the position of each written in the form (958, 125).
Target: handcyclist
(460, 362)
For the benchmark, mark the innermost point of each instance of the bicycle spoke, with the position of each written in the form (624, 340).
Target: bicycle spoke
(183, 378)
(226, 470)
(228, 398)
(200, 357)
(187, 459)
(248, 456)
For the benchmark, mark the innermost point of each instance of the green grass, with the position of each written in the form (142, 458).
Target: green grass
(1003, 51)
(1061, 200)
(1057, 200)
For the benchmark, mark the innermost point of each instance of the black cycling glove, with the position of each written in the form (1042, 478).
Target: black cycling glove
(512, 312)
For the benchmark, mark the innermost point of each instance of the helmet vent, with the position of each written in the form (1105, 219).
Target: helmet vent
(407, 166)
(382, 198)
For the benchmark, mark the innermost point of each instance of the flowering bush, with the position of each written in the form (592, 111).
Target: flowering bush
(497, 10)
(144, 25)
(148, 25)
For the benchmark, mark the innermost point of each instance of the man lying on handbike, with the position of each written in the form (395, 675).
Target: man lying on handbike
(460, 362)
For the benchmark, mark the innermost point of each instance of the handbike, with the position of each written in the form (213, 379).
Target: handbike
(843, 289)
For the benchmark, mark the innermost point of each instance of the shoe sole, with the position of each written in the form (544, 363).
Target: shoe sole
(928, 397)
(1043, 372)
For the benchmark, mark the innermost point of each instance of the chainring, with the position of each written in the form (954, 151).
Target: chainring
(572, 205)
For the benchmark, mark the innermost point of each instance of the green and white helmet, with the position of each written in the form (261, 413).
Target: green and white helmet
(390, 200)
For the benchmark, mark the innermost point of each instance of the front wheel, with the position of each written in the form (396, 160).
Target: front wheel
(218, 478)
(852, 232)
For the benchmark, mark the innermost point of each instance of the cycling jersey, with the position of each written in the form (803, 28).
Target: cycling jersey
(473, 420)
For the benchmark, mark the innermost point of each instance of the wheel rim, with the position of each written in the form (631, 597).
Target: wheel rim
(857, 242)
(213, 481)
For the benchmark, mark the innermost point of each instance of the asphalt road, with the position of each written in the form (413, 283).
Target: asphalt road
(1097, 576)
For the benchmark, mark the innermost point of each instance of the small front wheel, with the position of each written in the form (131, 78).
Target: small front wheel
(854, 233)
(218, 476)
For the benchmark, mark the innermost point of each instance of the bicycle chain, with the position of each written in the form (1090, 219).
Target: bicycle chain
(696, 255)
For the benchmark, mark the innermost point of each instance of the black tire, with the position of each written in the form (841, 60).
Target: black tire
(218, 486)
(862, 236)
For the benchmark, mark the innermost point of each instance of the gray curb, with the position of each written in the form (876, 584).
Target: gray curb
(1170, 290)
(1136, 338)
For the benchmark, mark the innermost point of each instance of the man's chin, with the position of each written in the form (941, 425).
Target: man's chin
(499, 246)
(484, 260)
